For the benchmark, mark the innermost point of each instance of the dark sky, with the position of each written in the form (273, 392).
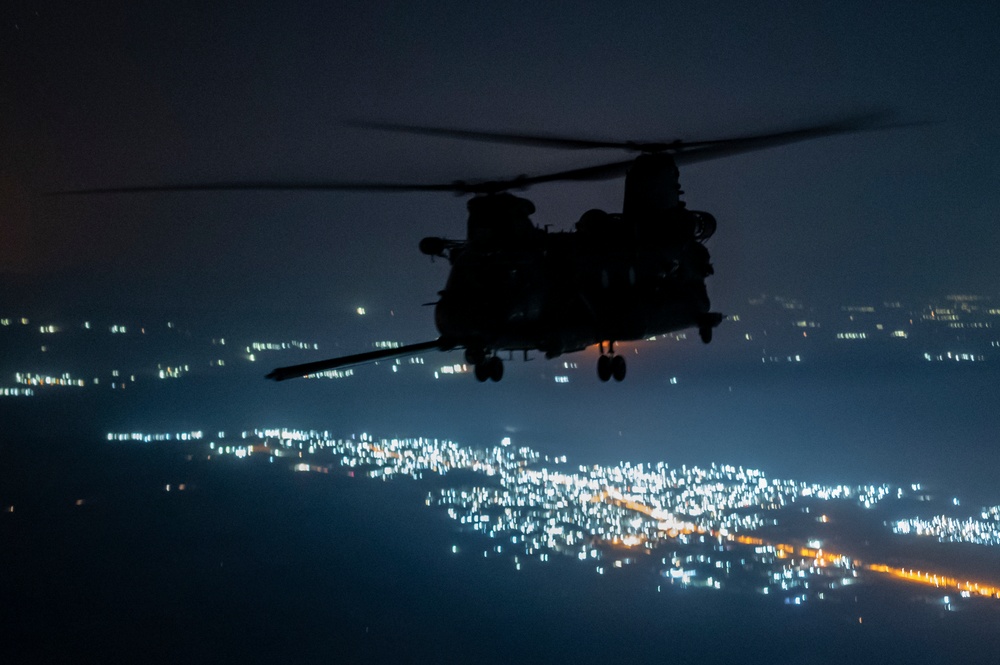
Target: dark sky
(151, 93)
(144, 93)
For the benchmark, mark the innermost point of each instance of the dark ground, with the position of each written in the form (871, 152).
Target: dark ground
(253, 563)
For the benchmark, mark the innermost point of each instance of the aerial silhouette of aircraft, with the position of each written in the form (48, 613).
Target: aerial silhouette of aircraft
(615, 277)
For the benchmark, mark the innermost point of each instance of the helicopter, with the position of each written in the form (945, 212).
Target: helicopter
(614, 277)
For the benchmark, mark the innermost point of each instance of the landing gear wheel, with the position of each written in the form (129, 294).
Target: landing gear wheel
(705, 332)
(482, 371)
(618, 367)
(495, 366)
(604, 368)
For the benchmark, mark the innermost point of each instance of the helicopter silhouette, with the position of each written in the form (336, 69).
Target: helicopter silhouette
(615, 277)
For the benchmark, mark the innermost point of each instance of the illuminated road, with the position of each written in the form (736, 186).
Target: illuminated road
(939, 581)
(671, 527)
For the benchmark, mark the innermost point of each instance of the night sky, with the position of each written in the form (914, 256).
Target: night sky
(104, 95)
(152, 94)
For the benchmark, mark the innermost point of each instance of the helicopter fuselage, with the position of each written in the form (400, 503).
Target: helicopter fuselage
(614, 278)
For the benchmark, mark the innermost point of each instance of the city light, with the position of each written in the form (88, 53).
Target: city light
(703, 524)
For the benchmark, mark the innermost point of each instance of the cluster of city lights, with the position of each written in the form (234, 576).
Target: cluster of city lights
(141, 437)
(280, 346)
(853, 325)
(26, 379)
(16, 392)
(984, 531)
(699, 526)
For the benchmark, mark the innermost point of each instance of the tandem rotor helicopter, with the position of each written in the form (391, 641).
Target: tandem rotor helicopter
(616, 277)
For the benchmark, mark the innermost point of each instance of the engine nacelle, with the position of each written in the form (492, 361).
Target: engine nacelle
(432, 246)
(704, 224)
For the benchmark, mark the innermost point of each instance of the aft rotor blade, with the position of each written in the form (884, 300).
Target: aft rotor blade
(868, 121)
(542, 140)
(696, 151)
(305, 369)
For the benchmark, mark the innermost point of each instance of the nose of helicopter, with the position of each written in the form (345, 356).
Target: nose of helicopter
(457, 317)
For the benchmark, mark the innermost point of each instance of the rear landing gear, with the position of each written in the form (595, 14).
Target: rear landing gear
(604, 368)
(489, 368)
(609, 365)
(618, 368)
(706, 323)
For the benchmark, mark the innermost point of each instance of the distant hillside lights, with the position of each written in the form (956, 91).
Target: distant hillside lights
(771, 359)
(42, 380)
(941, 314)
(281, 346)
(930, 327)
(460, 368)
(977, 324)
(332, 374)
(954, 356)
(142, 437)
(173, 372)
(16, 392)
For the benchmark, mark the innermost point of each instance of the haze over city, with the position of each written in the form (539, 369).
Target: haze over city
(816, 483)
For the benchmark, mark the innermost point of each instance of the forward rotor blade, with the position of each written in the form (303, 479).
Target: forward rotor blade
(305, 369)
(270, 186)
(600, 172)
